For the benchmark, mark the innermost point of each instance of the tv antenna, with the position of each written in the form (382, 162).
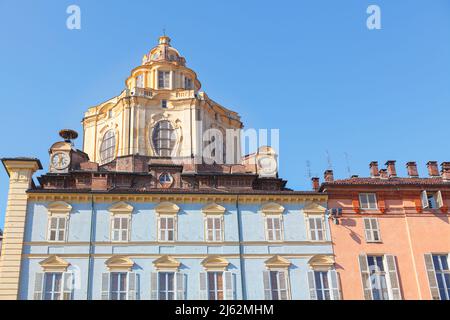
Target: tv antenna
(330, 165)
(348, 164)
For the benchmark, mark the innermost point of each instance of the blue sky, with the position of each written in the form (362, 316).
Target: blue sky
(310, 68)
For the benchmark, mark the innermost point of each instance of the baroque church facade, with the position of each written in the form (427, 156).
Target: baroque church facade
(142, 212)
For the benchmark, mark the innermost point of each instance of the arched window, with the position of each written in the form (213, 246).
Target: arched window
(163, 138)
(108, 147)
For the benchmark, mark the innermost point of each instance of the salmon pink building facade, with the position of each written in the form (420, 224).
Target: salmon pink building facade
(391, 235)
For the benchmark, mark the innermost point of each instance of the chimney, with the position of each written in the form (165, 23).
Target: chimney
(328, 175)
(383, 174)
(391, 168)
(445, 171)
(374, 169)
(411, 168)
(315, 183)
(433, 170)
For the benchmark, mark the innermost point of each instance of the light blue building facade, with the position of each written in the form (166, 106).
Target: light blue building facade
(263, 250)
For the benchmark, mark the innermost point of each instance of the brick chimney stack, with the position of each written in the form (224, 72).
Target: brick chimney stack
(433, 170)
(315, 183)
(374, 169)
(392, 173)
(411, 168)
(383, 173)
(328, 175)
(445, 171)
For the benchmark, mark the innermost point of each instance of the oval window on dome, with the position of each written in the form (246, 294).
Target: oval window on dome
(108, 147)
(163, 138)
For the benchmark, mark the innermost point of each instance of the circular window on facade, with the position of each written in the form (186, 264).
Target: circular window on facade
(165, 180)
(163, 138)
(108, 147)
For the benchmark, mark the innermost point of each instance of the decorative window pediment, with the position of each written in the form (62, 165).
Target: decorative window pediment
(166, 263)
(121, 208)
(167, 208)
(314, 208)
(277, 262)
(321, 261)
(54, 264)
(119, 263)
(215, 263)
(59, 207)
(213, 208)
(272, 208)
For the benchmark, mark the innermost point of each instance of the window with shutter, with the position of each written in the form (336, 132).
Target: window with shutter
(365, 276)
(439, 201)
(105, 285)
(229, 285)
(180, 285)
(132, 286)
(203, 286)
(68, 285)
(276, 285)
(393, 277)
(213, 228)
(371, 230)
(38, 285)
(166, 226)
(57, 228)
(273, 228)
(424, 199)
(154, 286)
(215, 285)
(438, 275)
(120, 229)
(316, 228)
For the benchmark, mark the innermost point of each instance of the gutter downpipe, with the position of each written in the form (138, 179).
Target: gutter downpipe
(91, 252)
(241, 259)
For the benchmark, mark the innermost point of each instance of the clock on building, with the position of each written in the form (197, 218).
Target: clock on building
(60, 160)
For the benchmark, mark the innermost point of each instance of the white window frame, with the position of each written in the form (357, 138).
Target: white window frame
(369, 233)
(166, 79)
(166, 233)
(278, 289)
(216, 291)
(214, 230)
(131, 285)
(366, 196)
(333, 288)
(316, 230)
(273, 230)
(120, 229)
(65, 290)
(65, 217)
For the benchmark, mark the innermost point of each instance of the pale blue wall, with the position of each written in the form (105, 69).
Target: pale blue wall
(190, 229)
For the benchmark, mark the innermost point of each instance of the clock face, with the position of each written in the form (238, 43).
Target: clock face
(60, 160)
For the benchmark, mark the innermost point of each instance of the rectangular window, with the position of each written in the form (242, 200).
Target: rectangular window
(215, 286)
(368, 201)
(432, 199)
(214, 229)
(53, 286)
(120, 229)
(322, 285)
(378, 278)
(119, 287)
(441, 268)
(371, 230)
(164, 104)
(273, 228)
(140, 81)
(166, 286)
(163, 79)
(188, 83)
(167, 229)
(57, 229)
(276, 285)
(316, 228)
